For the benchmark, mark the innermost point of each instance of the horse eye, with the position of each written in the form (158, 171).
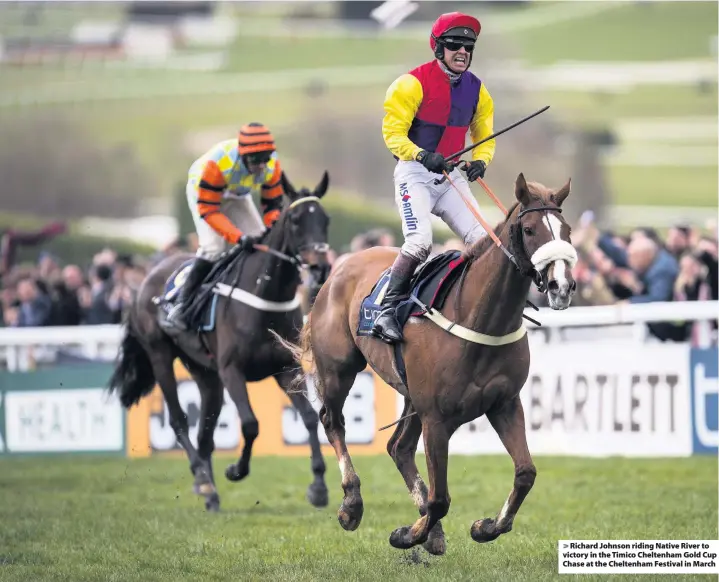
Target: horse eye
(528, 230)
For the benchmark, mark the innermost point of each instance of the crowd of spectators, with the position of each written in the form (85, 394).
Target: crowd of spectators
(638, 267)
(51, 292)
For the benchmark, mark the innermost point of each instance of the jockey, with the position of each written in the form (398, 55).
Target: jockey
(428, 112)
(219, 191)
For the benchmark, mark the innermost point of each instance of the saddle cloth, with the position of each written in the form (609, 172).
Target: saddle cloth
(430, 283)
(205, 312)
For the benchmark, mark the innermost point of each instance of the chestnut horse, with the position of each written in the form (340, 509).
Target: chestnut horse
(478, 368)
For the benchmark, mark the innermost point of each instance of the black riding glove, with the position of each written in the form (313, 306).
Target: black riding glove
(433, 161)
(247, 241)
(475, 170)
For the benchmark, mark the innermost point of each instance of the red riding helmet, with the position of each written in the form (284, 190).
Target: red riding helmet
(453, 24)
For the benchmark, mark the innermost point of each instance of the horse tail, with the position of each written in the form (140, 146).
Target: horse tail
(133, 377)
(302, 353)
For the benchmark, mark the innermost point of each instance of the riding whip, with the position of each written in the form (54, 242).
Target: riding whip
(495, 134)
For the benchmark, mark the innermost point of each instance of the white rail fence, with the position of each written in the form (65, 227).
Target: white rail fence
(24, 348)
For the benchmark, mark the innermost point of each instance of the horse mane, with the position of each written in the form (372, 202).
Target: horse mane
(483, 244)
(538, 192)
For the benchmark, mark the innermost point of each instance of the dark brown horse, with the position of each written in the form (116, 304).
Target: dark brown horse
(256, 293)
(478, 368)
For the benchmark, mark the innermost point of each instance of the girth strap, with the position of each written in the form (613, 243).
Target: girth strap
(469, 334)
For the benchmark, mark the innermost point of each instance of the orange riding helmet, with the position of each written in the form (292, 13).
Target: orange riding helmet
(254, 138)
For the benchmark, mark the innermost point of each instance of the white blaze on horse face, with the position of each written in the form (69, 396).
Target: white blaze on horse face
(560, 276)
(552, 223)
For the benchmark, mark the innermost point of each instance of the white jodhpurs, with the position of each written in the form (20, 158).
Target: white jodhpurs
(418, 198)
(241, 210)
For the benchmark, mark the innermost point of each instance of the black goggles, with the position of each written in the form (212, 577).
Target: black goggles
(258, 157)
(454, 44)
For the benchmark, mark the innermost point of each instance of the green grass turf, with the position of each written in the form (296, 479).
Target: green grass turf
(592, 109)
(97, 518)
(637, 31)
(157, 127)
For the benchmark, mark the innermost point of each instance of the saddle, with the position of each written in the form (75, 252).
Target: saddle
(430, 284)
(201, 311)
(429, 287)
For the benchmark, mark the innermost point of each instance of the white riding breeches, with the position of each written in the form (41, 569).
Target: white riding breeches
(241, 210)
(418, 197)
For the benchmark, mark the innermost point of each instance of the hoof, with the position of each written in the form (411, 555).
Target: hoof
(436, 544)
(212, 503)
(203, 489)
(350, 516)
(401, 538)
(318, 495)
(234, 473)
(484, 530)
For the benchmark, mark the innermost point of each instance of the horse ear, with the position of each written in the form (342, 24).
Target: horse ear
(561, 195)
(321, 188)
(521, 191)
(287, 186)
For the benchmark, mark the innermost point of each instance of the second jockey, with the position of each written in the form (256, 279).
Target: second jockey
(219, 191)
(428, 112)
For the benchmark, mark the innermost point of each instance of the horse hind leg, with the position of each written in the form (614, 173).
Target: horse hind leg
(161, 359)
(317, 493)
(436, 445)
(508, 421)
(402, 447)
(211, 393)
(336, 386)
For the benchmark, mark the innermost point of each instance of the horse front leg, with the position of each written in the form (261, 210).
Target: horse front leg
(402, 447)
(336, 387)
(317, 493)
(508, 421)
(236, 383)
(436, 445)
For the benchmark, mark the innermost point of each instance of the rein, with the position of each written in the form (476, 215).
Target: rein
(536, 275)
(295, 260)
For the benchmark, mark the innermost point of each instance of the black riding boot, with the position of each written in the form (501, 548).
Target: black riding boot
(200, 269)
(386, 324)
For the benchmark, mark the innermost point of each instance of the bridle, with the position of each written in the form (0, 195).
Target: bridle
(538, 278)
(296, 259)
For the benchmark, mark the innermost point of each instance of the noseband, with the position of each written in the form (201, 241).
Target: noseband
(536, 275)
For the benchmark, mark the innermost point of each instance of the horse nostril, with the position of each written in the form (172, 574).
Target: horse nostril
(553, 286)
(573, 287)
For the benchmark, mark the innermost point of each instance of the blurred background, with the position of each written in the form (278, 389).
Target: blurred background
(104, 106)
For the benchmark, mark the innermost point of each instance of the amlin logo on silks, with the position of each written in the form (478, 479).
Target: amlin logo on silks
(704, 375)
(407, 211)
